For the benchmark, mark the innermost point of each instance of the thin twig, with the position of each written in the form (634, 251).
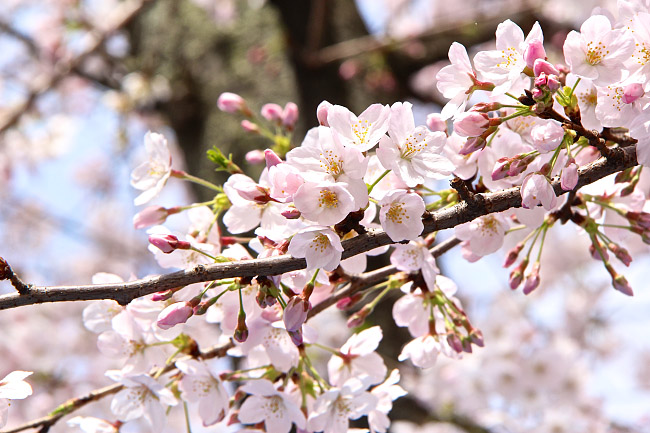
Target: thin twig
(439, 220)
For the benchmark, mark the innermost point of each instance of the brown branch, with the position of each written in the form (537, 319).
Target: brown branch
(63, 69)
(6, 273)
(76, 403)
(123, 293)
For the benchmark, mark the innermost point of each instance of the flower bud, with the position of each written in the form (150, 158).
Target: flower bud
(151, 216)
(349, 301)
(232, 103)
(272, 113)
(517, 275)
(168, 243)
(620, 283)
(296, 337)
(250, 126)
(295, 313)
(174, 314)
(359, 317)
(501, 168)
(477, 337)
(471, 124)
(512, 255)
(254, 157)
(435, 123)
(472, 145)
(533, 53)
(241, 332)
(290, 115)
(532, 280)
(569, 177)
(454, 342)
(291, 213)
(632, 92)
(621, 253)
(553, 83)
(162, 296)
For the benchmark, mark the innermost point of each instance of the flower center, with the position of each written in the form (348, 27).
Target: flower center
(360, 129)
(413, 145)
(320, 243)
(328, 199)
(596, 53)
(331, 163)
(509, 56)
(396, 213)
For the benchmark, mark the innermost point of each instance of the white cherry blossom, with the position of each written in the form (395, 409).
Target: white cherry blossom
(325, 203)
(13, 387)
(275, 408)
(200, 383)
(151, 176)
(536, 189)
(455, 81)
(484, 234)
(386, 393)
(358, 357)
(363, 132)
(414, 154)
(89, 424)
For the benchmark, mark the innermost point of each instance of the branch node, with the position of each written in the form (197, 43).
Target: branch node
(472, 199)
(6, 273)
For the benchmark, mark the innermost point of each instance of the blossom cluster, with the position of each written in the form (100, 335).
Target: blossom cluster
(536, 124)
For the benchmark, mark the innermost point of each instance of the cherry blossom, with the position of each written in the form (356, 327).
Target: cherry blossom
(13, 387)
(536, 189)
(413, 257)
(597, 52)
(413, 153)
(275, 408)
(151, 176)
(200, 383)
(336, 406)
(386, 393)
(142, 397)
(319, 245)
(89, 424)
(363, 132)
(485, 234)
(401, 215)
(358, 357)
(325, 203)
(455, 81)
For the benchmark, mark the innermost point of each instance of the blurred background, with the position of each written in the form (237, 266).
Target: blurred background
(81, 81)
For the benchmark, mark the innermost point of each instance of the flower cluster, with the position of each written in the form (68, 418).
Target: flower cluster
(370, 173)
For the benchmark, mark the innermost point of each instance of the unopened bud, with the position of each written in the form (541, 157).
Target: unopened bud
(621, 253)
(454, 342)
(349, 301)
(272, 113)
(168, 243)
(467, 345)
(295, 313)
(291, 213)
(233, 103)
(501, 168)
(472, 145)
(359, 317)
(290, 115)
(151, 216)
(534, 53)
(569, 177)
(241, 332)
(620, 283)
(272, 158)
(632, 92)
(162, 296)
(471, 124)
(254, 157)
(477, 337)
(541, 66)
(435, 123)
(512, 255)
(517, 275)
(249, 126)
(532, 280)
(174, 314)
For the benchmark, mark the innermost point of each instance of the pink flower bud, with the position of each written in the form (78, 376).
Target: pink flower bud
(232, 103)
(255, 157)
(321, 112)
(241, 331)
(621, 253)
(252, 192)
(150, 216)
(541, 80)
(295, 313)
(272, 113)
(501, 168)
(454, 342)
(435, 123)
(290, 115)
(296, 337)
(541, 66)
(348, 302)
(291, 213)
(512, 255)
(532, 280)
(621, 284)
(174, 314)
(553, 83)
(537, 93)
(517, 275)
(471, 124)
(250, 126)
(477, 337)
(359, 317)
(534, 52)
(472, 145)
(632, 92)
(168, 243)
(569, 177)
(271, 158)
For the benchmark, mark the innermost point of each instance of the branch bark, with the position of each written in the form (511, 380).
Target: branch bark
(482, 204)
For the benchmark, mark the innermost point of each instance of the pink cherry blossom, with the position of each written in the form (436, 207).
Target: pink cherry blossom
(151, 176)
(471, 124)
(597, 52)
(174, 314)
(386, 393)
(484, 234)
(537, 189)
(547, 136)
(401, 215)
(319, 245)
(456, 81)
(89, 424)
(413, 257)
(363, 132)
(325, 203)
(422, 351)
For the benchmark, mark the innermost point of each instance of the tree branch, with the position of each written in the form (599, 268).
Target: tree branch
(123, 293)
(63, 69)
